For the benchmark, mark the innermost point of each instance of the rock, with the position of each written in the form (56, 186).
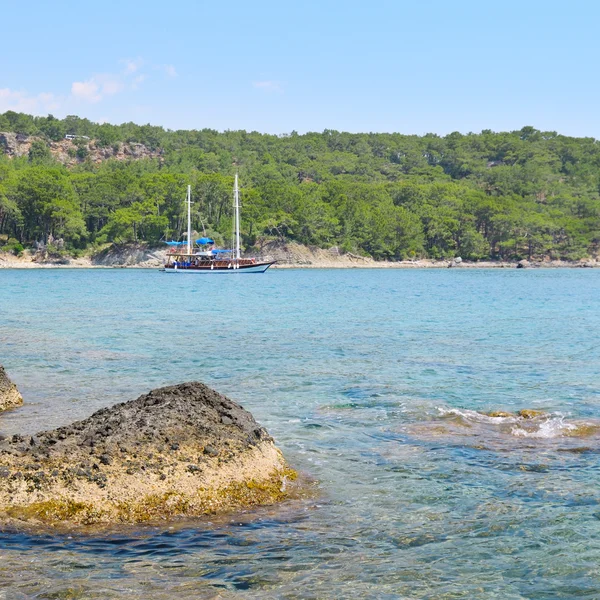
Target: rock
(164, 455)
(500, 414)
(9, 144)
(528, 413)
(9, 394)
(583, 430)
(523, 264)
(16, 144)
(455, 262)
(129, 255)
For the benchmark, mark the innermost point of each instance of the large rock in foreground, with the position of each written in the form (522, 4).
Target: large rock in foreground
(9, 394)
(179, 450)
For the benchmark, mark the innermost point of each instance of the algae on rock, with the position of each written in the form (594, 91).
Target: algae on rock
(183, 450)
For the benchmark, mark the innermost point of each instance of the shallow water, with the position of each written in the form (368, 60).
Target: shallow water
(372, 382)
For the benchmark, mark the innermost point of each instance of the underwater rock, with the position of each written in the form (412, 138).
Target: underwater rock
(529, 413)
(9, 394)
(526, 413)
(526, 431)
(178, 450)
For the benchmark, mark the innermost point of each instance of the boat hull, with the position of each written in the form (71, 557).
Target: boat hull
(254, 268)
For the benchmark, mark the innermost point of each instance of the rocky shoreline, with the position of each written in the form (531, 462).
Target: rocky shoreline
(178, 451)
(288, 256)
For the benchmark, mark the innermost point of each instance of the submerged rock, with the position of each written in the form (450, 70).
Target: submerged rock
(526, 431)
(179, 450)
(500, 414)
(529, 413)
(9, 394)
(526, 413)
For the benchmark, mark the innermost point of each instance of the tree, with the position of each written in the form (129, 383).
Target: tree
(525, 193)
(39, 153)
(48, 205)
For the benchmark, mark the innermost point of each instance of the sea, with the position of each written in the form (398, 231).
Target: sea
(376, 386)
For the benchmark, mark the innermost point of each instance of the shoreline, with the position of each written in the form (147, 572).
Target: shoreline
(433, 264)
(25, 263)
(288, 255)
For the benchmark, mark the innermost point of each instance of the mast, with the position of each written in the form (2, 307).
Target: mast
(236, 197)
(189, 233)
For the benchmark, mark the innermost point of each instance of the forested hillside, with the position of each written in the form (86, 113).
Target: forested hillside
(522, 194)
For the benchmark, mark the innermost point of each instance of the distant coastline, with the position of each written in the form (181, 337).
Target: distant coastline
(71, 186)
(288, 256)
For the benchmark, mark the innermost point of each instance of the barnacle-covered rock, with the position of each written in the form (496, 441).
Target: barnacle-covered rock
(178, 450)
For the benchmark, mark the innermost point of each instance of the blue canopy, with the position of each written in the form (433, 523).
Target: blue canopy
(221, 251)
(205, 240)
(175, 243)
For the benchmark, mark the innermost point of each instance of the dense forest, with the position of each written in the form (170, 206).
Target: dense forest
(523, 194)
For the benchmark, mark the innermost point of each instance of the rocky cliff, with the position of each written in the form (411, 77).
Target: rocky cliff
(74, 151)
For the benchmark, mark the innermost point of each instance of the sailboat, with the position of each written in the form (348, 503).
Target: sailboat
(184, 257)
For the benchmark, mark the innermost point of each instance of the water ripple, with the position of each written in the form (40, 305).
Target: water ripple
(376, 383)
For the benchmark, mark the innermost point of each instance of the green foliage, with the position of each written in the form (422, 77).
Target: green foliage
(521, 194)
(46, 204)
(13, 246)
(39, 153)
(82, 153)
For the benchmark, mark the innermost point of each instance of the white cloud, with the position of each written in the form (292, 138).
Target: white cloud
(110, 84)
(268, 86)
(92, 90)
(170, 70)
(97, 87)
(137, 81)
(48, 101)
(86, 90)
(20, 101)
(132, 65)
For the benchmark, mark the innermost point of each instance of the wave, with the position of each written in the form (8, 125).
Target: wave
(526, 423)
(501, 431)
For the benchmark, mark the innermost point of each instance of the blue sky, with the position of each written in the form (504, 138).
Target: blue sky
(379, 65)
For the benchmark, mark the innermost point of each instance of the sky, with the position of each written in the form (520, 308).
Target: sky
(403, 66)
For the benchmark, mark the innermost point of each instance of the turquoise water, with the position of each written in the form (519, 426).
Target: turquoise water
(372, 382)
